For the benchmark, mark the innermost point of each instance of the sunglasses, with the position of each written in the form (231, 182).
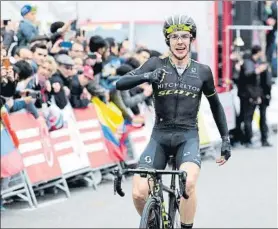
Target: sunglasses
(183, 37)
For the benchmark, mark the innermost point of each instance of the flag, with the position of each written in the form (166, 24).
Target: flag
(116, 150)
(11, 160)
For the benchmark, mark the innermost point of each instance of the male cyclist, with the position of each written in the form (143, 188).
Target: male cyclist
(178, 83)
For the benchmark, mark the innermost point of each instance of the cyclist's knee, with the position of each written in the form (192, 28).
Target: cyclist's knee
(140, 188)
(190, 186)
(192, 171)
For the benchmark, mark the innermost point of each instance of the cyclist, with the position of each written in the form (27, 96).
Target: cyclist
(178, 83)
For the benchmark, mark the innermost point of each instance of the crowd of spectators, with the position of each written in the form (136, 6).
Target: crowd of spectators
(65, 68)
(254, 73)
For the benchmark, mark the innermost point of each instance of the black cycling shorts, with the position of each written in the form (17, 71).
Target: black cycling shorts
(182, 144)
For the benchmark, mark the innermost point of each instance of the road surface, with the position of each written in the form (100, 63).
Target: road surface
(243, 193)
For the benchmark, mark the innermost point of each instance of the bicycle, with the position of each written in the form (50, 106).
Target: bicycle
(155, 205)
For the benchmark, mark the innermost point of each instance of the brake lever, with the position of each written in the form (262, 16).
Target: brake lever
(182, 181)
(117, 183)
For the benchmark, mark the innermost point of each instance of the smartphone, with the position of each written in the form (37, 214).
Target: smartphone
(6, 62)
(73, 25)
(66, 44)
(92, 56)
(5, 22)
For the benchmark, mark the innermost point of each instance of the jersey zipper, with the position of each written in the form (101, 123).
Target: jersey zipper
(179, 79)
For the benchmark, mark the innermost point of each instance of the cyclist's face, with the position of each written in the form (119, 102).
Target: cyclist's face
(180, 44)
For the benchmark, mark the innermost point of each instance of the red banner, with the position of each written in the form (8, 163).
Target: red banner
(92, 135)
(36, 149)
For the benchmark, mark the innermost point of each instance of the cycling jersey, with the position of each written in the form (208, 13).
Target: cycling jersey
(177, 97)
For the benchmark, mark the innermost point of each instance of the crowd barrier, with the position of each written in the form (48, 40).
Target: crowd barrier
(81, 148)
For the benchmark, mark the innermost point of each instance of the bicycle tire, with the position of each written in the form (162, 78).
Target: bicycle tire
(174, 213)
(149, 206)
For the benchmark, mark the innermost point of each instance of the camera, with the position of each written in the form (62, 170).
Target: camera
(38, 96)
(34, 94)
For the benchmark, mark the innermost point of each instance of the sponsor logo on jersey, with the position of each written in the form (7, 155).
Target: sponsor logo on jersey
(177, 91)
(178, 85)
(148, 159)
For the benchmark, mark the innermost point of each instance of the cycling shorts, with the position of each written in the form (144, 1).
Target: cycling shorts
(182, 144)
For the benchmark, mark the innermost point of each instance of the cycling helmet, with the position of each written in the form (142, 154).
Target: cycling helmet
(180, 22)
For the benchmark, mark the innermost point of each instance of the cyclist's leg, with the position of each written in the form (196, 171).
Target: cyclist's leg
(152, 157)
(189, 160)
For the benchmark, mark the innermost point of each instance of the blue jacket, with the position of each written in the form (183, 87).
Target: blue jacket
(26, 32)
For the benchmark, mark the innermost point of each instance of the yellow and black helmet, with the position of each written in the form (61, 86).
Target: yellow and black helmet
(180, 22)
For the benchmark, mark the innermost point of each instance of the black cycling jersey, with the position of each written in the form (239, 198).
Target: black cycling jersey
(177, 97)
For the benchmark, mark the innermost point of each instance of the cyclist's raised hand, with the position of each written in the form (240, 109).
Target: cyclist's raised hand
(225, 151)
(156, 76)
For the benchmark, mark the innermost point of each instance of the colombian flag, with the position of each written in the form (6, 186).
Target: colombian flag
(117, 150)
(110, 118)
(11, 160)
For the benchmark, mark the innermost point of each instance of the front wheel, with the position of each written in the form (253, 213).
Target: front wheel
(151, 216)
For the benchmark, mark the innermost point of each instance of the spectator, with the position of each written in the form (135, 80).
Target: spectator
(25, 75)
(154, 53)
(24, 53)
(124, 48)
(8, 83)
(27, 28)
(133, 62)
(58, 30)
(18, 90)
(123, 99)
(61, 80)
(106, 53)
(77, 50)
(251, 94)
(142, 55)
(78, 65)
(40, 39)
(40, 53)
(45, 72)
(80, 97)
(270, 18)
(98, 47)
(3, 50)
(9, 32)
(113, 58)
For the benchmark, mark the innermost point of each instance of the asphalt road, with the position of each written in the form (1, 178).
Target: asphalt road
(243, 193)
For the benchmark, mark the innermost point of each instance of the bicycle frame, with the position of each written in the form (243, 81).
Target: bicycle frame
(157, 193)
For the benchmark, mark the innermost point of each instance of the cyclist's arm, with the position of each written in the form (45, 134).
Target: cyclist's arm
(136, 77)
(215, 104)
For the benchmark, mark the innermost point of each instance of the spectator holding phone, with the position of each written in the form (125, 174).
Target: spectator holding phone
(18, 97)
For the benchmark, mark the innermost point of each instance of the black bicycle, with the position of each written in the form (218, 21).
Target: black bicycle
(155, 206)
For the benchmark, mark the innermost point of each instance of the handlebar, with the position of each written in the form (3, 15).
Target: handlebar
(119, 175)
